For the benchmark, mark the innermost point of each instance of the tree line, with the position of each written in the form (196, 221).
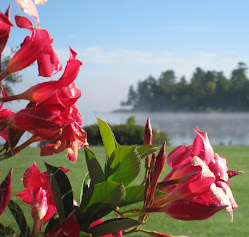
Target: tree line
(205, 91)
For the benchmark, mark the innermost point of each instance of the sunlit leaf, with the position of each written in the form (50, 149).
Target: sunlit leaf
(95, 171)
(123, 165)
(135, 194)
(104, 198)
(107, 137)
(145, 151)
(85, 186)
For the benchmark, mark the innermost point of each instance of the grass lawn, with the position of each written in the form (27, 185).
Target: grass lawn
(217, 226)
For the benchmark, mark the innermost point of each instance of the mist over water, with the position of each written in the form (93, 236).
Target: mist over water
(222, 128)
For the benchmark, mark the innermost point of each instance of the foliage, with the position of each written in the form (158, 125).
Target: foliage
(206, 90)
(128, 134)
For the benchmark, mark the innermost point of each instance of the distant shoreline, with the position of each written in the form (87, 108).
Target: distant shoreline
(179, 111)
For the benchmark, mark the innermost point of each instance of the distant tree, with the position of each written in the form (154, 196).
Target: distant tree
(240, 87)
(206, 90)
(13, 78)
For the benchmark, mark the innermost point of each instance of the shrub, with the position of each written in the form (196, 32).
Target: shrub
(125, 134)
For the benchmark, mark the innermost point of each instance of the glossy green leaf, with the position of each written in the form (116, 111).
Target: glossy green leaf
(103, 198)
(20, 218)
(135, 194)
(62, 191)
(113, 226)
(7, 231)
(145, 151)
(123, 165)
(85, 185)
(107, 137)
(84, 234)
(95, 171)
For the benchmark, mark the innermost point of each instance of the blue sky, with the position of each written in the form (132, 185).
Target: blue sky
(122, 42)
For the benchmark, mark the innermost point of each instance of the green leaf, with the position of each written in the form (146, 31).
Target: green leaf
(84, 234)
(107, 137)
(123, 165)
(135, 194)
(113, 226)
(85, 185)
(145, 151)
(62, 191)
(6, 231)
(95, 171)
(104, 198)
(20, 218)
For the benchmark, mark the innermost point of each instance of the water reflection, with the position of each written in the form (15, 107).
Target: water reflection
(222, 128)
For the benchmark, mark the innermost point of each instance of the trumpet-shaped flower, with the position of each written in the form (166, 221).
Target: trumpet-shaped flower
(34, 47)
(69, 227)
(43, 91)
(38, 194)
(52, 114)
(198, 184)
(191, 209)
(4, 30)
(48, 63)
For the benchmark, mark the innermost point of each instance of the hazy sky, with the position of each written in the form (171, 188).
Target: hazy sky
(122, 42)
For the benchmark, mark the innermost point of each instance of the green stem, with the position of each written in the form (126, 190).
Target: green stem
(131, 213)
(35, 228)
(21, 147)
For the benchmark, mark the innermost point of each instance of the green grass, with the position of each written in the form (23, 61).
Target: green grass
(217, 226)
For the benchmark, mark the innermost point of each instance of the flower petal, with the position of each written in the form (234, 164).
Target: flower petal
(32, 178)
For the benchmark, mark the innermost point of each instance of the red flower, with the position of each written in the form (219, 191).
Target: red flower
(31, 49)
(69, 227)
(5, 116)
(43, 91)
(5, 192)
(38, 194)
(48, 63)
(201, 186)
(4, 30)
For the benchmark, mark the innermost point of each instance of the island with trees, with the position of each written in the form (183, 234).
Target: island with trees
(205, 91)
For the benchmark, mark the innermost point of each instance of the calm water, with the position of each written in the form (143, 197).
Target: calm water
(222, 128)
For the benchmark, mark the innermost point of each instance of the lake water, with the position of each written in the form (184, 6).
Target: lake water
(222, 128)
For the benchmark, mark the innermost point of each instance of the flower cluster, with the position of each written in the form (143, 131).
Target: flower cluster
(51, 114)
(198, 185)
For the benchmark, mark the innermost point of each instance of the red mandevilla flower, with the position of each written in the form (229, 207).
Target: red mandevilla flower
(203, 187)
(4, 30)
(32, 49)
(69, 227)
(5, 116)
(38, 194)
(54, 117)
